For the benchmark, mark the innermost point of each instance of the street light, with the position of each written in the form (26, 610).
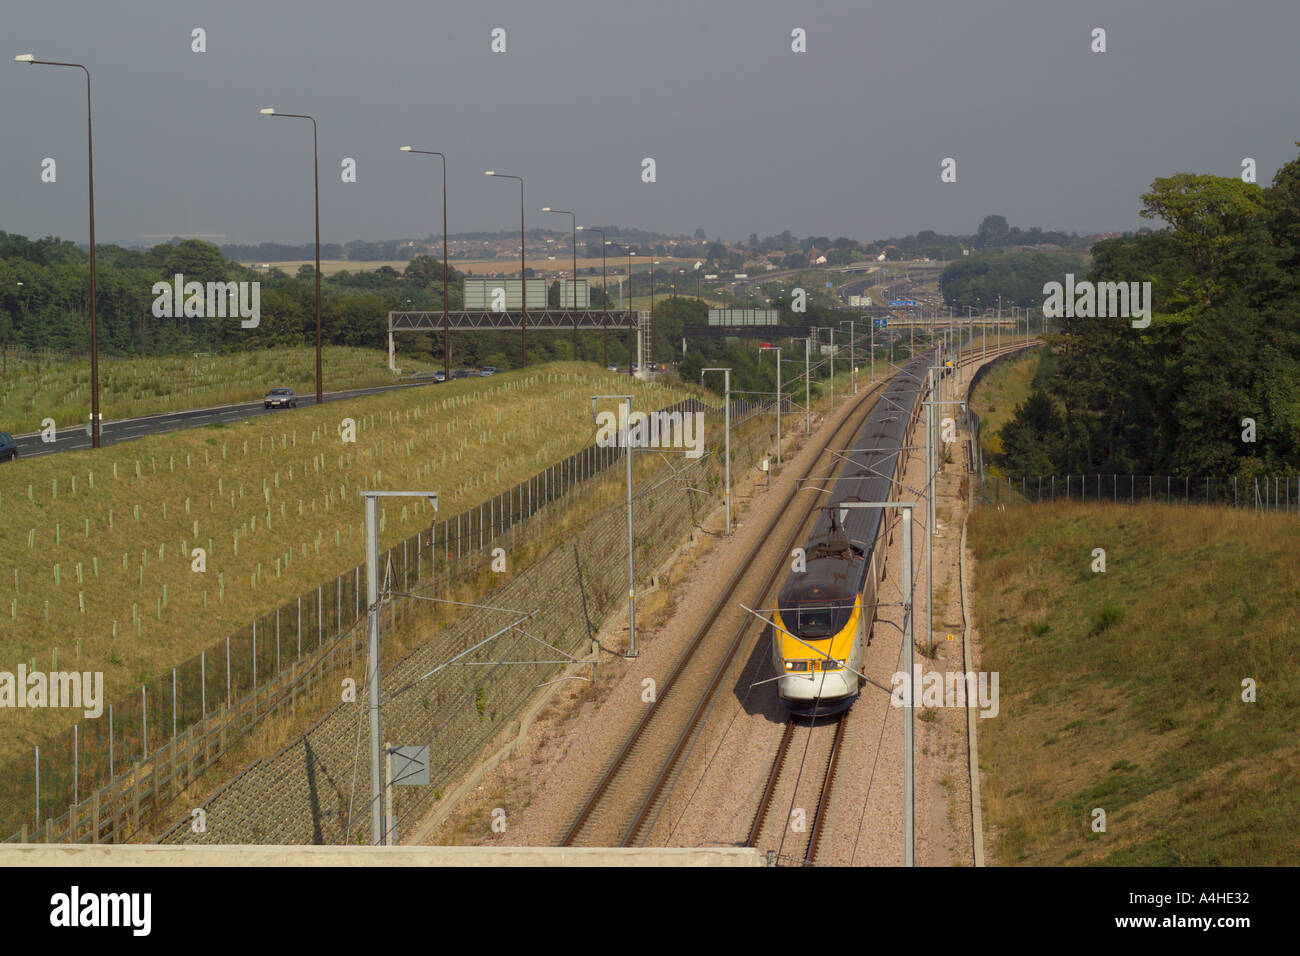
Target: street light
(94, 320)
(604, 295)
(446, 328)
(315, 159)
(631, 566)
(574, 278)
(378, 829)
(726, 386)
(853, 365)
(523, 271)
(777, 350)
(631, 339)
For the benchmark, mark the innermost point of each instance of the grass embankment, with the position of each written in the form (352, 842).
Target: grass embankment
(1004, 388)
(105, 537)
(1123, 690)
(128, 387)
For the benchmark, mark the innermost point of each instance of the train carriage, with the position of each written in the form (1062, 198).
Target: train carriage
(825, 611)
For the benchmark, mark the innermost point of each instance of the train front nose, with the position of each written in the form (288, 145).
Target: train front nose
(822, 691)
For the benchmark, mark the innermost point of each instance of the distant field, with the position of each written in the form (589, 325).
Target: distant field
(1123, 690)
(95, 546)
(129, 387)
(562, 262)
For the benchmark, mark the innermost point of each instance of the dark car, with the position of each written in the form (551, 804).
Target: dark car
(461, 373)
(8, 447)
(281, 398)
(488, 370)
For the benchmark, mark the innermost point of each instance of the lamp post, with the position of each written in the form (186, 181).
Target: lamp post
(378, 831)
(631, 567)
(909, 653)
(446, 328)
(94, 320)
(574, 278)
(807, 386)
(726, 385)
(523, 271)
(316, 172)
(631, 339)
(604, 295)
(853, 365)
(769, 348)
(650, 345)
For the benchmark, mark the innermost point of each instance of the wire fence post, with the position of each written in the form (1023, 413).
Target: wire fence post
(203, 683)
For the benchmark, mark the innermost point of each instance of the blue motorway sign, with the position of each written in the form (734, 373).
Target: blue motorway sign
(902, 302)
(881, 323)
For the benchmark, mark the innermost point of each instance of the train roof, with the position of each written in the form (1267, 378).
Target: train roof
(868, 472)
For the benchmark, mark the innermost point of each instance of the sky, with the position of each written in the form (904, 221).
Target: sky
(747, 135)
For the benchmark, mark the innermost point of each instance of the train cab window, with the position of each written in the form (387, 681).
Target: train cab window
(815, 622)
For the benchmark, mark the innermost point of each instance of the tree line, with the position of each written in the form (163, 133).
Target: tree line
(1212, 387)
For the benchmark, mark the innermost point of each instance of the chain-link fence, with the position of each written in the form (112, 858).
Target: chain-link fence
(457, 691)
(1277, 493)
(274, 651)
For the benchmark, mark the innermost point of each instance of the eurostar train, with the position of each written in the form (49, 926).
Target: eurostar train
(825, 613)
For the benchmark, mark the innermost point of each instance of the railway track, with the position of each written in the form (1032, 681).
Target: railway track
(629, 796)
(794, 838)
(627, 800)
(823, 745)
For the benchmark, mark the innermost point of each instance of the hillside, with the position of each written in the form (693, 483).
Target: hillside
(96, 547)
(1123, 690)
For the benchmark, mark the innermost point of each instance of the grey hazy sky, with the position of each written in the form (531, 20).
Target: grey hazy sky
(845, 139)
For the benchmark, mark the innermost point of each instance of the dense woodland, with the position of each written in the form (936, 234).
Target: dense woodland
(1223, 345)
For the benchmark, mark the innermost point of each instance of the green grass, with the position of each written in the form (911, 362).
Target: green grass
(275, 502)
(1123, 690)
(128, 387)
(1004, 387)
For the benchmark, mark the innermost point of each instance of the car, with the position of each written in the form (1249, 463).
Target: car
(280, 398)
(440, 376)
(488, 370)
(8, 447)
(634, 368)
(461, 373)
(611, 368)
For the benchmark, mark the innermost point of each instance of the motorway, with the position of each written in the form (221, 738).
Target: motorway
(71, 437)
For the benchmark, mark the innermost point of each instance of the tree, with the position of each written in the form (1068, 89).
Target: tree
(1031, 438)
(993, 231)
(1217, 226)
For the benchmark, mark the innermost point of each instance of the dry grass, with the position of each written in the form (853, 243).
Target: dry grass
(96, 560)
(1123, 690)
